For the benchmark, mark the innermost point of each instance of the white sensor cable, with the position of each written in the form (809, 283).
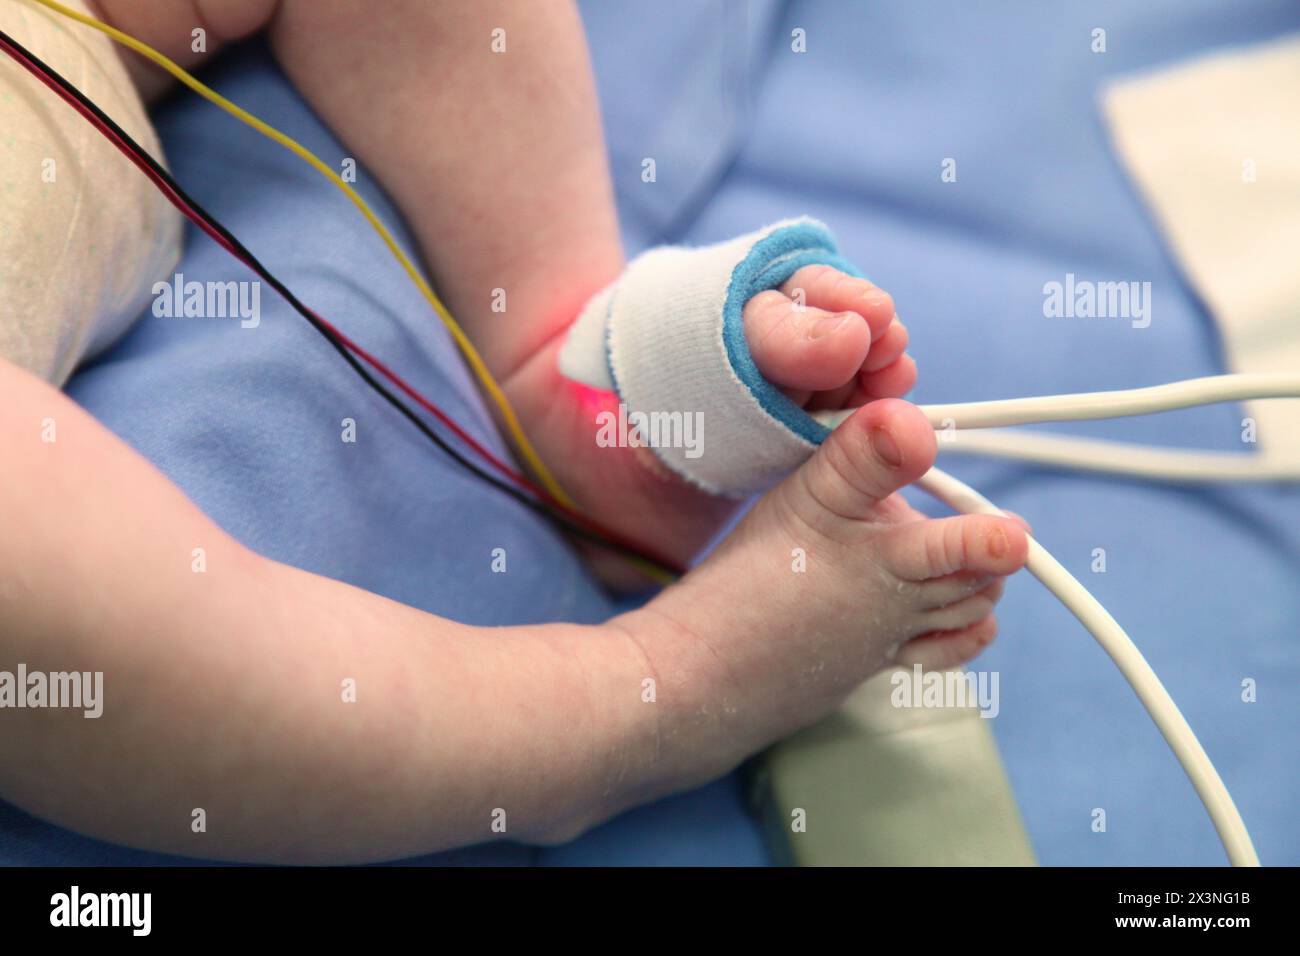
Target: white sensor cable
(955, 424)
(1117, 458)
(1115, 642)
(1132, 401)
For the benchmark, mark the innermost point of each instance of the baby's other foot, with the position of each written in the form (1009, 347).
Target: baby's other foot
(936, 579)
(829, 340)
(832, 575)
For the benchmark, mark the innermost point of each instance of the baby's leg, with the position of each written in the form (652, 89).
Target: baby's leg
(310, 721)
(497, 159)
(226, 676)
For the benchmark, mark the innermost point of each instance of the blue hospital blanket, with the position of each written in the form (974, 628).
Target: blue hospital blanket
(744, 130)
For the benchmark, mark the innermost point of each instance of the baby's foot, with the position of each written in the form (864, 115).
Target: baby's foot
(832, 576)
(829, 340)
(934, 578)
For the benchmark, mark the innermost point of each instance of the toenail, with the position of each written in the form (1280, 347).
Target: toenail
(997, 543)
(827, 324)
(886, 448)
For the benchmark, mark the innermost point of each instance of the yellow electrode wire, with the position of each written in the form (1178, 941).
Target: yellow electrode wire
(466, 346)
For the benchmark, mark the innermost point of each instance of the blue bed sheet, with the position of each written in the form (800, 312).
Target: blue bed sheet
(855, 131)
(745, 130)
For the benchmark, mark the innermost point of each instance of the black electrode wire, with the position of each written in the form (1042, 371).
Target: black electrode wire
(330, 336)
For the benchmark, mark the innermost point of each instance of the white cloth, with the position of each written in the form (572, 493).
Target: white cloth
(84, 234)
(668, 337)
(1214, 146)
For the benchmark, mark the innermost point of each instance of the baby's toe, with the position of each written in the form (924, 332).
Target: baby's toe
(887, 348)
(825, 287)
(965, 612)
(949, 589)
(893, 381)
(804, 347)
(943, 649)
(874, 452)
(978, 544)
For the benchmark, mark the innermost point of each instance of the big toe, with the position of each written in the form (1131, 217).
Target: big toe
(804, 347)
(825, 287)
(875, 451)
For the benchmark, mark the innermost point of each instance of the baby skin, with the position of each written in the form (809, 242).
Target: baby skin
(223, 688)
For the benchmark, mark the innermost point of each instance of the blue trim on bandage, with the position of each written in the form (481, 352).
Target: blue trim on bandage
(773, 260)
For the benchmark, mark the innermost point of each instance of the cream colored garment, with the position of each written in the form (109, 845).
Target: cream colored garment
(83, 234)
(1214, 146)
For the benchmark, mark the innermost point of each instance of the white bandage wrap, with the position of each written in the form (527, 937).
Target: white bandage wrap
(668, 337)
(83, 235)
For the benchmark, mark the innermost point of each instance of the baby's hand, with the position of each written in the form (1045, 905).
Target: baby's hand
(829, 340)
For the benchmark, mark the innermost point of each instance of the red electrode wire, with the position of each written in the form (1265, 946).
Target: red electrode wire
(126, 148)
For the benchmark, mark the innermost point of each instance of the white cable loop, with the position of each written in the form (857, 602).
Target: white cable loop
(1114, 457)
(1076, 598)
